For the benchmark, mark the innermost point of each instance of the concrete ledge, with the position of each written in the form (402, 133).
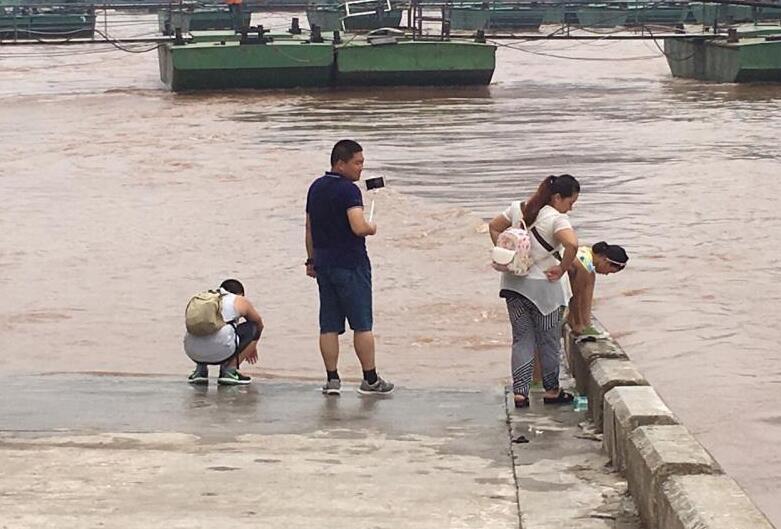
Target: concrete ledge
(580, 356)
(626, 408)
(604, 375)
(674, 481)
(569, 342)
(654, 453)
(706, 502)
(570, 346)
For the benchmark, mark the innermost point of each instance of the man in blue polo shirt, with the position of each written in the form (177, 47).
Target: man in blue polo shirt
(336, 232)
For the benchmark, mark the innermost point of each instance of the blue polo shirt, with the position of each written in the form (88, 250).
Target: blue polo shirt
(327, 202)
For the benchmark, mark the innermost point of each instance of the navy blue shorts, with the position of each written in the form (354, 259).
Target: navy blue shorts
(345, 293)
(246, 333)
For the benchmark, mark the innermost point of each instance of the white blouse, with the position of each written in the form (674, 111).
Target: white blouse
(546, 295)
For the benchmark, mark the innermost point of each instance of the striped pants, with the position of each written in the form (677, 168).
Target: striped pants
(533, 330)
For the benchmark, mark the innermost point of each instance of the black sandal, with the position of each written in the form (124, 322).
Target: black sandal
(521, 404)
(562, 398)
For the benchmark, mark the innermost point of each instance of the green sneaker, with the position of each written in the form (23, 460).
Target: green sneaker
(231, 377)
(199, 376)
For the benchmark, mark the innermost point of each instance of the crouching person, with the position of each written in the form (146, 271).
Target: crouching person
(217, 336)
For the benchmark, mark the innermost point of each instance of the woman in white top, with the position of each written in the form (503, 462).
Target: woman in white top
(534, 300)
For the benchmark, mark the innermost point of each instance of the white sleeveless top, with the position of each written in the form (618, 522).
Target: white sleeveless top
(220, 346)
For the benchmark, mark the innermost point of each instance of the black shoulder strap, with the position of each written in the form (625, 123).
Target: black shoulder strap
(540, 239)
(545, 243)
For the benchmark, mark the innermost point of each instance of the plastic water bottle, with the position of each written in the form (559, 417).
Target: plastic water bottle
(580, 403)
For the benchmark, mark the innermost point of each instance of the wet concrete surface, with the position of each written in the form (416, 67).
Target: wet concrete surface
(561, 473)
(114, 451)
(77, 403)
(132, 452)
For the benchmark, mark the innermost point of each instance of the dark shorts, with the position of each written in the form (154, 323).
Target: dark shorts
(345, 293)
(246, 333)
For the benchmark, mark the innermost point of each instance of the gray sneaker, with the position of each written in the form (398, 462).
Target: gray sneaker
(199, 377)
(333, 387)
(380, 387)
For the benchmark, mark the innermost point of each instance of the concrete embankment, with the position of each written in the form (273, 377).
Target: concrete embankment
(675, 482)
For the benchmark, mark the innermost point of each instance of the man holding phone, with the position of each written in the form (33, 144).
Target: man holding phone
(336, 231)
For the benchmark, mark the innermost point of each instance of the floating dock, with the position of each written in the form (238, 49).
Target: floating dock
(47, 23)
(357, 15)
(529, 15)
(731, 59)
(188, 20)
(266, 61)
(601, 16)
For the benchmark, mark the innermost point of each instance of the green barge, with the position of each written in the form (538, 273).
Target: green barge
(662, 14)
(469, 17)
(46, 23)
(267, 61)
(199, 19)
(414, 62)
(753, 57)
(497, 15)
(528, 15)
(358, 15)
(516, 17)
(601, 16)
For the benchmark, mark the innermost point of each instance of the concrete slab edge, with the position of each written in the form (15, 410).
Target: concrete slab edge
(605, 374)
(654, 454)
(707, 501)
(626, 408)
(687, 492)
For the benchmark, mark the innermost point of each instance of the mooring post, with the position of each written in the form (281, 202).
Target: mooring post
(295, 29)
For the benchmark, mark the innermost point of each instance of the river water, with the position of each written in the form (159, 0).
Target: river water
(122, 199)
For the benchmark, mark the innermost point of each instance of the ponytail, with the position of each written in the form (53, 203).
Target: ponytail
(565, 185)
(600, 248)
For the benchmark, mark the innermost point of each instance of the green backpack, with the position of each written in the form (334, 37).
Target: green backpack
(203, 315)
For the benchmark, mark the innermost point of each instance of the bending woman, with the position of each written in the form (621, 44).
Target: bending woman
(602, 258)
(533, 300)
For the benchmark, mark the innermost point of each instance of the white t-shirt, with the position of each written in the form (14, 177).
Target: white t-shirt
(217, 347)
(546, 295)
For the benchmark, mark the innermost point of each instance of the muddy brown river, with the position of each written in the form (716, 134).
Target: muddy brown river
(121, 199)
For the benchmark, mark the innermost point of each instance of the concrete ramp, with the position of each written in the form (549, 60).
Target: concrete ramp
(139, 452)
